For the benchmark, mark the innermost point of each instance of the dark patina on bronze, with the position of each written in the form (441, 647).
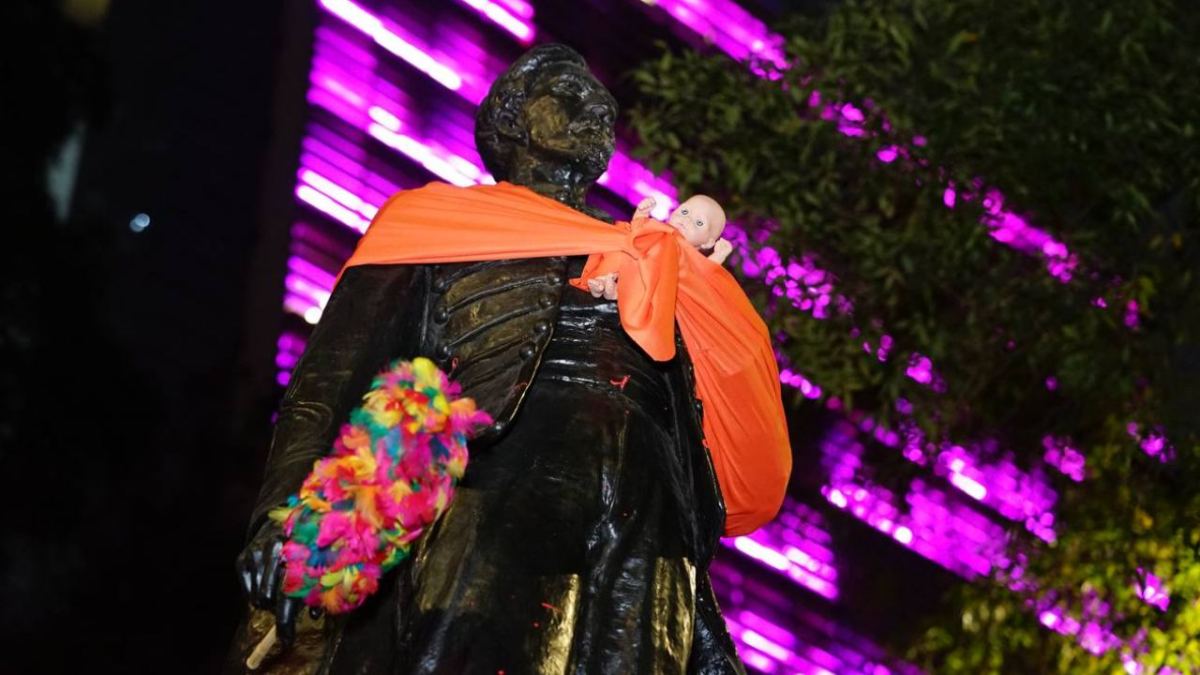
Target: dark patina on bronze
(580, 538)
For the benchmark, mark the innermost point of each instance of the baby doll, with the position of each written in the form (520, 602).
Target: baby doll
(700, 220)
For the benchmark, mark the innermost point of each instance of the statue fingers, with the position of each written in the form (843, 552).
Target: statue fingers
(273, 574)
(245, 571)
(258, 565)
(286, 611)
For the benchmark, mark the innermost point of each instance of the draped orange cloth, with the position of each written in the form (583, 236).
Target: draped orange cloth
(662, 280)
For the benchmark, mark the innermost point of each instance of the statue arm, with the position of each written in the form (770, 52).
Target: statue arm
(373, 316)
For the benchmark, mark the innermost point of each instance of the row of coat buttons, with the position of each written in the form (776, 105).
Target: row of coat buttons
(442, 284)
(527, 350)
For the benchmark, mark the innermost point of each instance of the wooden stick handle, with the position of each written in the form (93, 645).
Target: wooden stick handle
(260, 652)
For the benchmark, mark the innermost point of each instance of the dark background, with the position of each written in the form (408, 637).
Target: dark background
(129, 473)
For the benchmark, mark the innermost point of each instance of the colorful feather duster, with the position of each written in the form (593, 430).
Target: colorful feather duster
(392, 472)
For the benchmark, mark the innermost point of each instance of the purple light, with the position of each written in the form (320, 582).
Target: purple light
(1131, 314)
(386, 37)
(341, 195)
(795, 545)
(951, 536)
(806, 286)
(885, 348)
(382, 124)
(1002, 486)
(888, 155)
(959, 539)
(445, 165)
(768, 648)
(1152, 591)
(633, 182)
(289, 347)
(789, 631)
(308, 288)
(1091, 634)
(369, 187)
(1005, 226)
(302, 307)
(330, 207)
(519, 8)
(373, 106)
(1013, 230)
(949, 197)
(625, 177)
(920, 369)
(503, 16)
(1061, 455)
(1153, 443)
(933, 524)
(731, 28)
(795, 379)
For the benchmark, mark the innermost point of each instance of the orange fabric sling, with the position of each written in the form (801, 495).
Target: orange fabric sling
(661, 280)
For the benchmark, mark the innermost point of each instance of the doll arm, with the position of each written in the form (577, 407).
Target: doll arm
(644, 208)
(721, 251)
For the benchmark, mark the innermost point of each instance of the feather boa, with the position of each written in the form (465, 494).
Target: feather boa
(392, 472)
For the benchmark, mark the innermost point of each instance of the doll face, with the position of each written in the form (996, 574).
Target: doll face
(700, 220)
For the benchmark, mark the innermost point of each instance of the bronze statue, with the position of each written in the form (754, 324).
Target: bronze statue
(580, 537)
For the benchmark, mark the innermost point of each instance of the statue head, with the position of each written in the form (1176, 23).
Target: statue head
(547, 119)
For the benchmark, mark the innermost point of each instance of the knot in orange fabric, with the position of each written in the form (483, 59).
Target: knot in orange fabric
(648, 281)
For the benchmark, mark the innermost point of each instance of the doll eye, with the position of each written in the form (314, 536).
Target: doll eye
(699, 223)
(684, 212)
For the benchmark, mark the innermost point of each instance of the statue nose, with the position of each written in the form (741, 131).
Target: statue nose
(599, 112)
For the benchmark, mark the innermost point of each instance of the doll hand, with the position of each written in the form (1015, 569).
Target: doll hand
(644, 208)
(610, 287)
(260, 569)
(605, 286)
(721, 251)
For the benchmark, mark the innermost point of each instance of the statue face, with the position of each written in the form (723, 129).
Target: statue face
(570, 118)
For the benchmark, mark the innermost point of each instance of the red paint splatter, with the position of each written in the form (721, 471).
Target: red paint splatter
(620, 383)
(549, 606)
(537, 624)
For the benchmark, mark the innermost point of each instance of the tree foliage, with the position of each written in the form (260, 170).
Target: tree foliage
(1083, 116)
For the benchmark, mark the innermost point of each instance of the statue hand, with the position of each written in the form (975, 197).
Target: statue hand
(260, 568)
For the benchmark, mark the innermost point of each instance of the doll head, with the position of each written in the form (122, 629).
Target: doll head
(700, 219)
